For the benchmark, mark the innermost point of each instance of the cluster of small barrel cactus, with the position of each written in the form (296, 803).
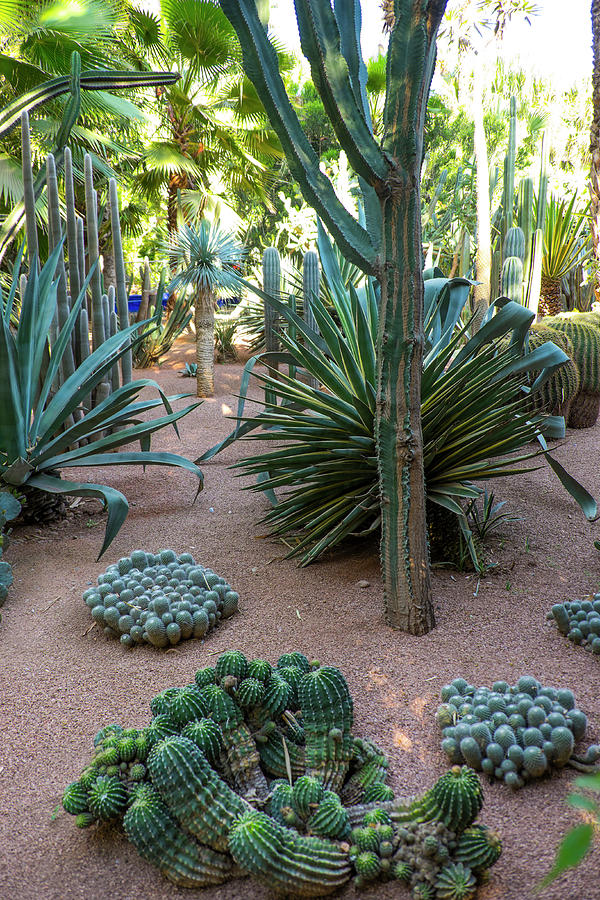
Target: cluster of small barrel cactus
(159, 598)
(253, 769)
(515, 733)
(579, 621)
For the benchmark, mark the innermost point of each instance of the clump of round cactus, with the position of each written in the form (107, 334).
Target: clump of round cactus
(579, 621)
(513, 734)
(159, 598)
(253, 767)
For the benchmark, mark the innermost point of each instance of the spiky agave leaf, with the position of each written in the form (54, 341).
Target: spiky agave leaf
(35, 436)
(323, 456)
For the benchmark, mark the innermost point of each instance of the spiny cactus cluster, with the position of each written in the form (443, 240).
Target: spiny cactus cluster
(159, 598)
(513, 734)
(579, 621)
(253, 769)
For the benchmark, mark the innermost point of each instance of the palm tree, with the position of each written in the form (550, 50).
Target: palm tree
(595, 133)
(208, 260)
(211, 121)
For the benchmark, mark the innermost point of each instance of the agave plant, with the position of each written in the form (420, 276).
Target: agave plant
(38, 436)
(475, 412)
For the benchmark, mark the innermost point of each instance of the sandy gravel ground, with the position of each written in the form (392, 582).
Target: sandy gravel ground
(61, 681)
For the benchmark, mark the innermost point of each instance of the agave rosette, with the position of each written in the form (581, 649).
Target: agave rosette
(475, 411)
(39, 432)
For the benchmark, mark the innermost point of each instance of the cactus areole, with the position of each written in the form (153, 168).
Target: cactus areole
(388, 246)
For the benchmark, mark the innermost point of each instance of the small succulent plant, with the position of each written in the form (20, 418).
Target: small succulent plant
(579, 621)
(513, 734)
(254, 768)
(159, 598)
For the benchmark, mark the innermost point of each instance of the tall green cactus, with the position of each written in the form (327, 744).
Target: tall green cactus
(122, 308)
(509, 169)
(271, 265)
(388, 246)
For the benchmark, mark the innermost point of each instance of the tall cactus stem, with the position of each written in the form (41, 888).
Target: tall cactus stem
(525, 220)
(122, 308)
(83, 326)
(80, 250)
(105, 317)
(28, 190)
(114, 372)
(145, 301)
(465, 253)
(55, 237)
(91, 215)
(271, 286)
(74, 282)
(509, 168)
(271, 265)
(311, 283)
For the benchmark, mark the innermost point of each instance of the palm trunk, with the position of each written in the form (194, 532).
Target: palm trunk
(204, 319)
(551, 300)
(595, 133)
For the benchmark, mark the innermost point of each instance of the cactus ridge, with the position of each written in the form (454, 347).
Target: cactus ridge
(478, 848)
(158, 839)
(326, 707)
(200, 800)
(286, 861)
(273, 758)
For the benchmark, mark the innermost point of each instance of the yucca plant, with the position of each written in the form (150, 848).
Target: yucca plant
(566, 246)
(208, 259)
(38, 438)
(475, 413)
(225, 332)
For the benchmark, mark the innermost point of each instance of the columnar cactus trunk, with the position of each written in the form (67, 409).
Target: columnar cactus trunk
(388, 246)
(594, 182)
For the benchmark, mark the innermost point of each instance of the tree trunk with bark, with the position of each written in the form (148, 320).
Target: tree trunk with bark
(204, 320)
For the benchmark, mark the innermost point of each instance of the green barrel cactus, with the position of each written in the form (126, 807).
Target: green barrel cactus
(326, 707)
(556, 395)
(585, 339)
(204, 797)
(200, 801)
(286, 861)
(160, 840)
(455, 882)
(478, 848)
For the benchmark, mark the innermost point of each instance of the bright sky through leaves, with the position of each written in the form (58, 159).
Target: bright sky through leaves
(557, 45)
